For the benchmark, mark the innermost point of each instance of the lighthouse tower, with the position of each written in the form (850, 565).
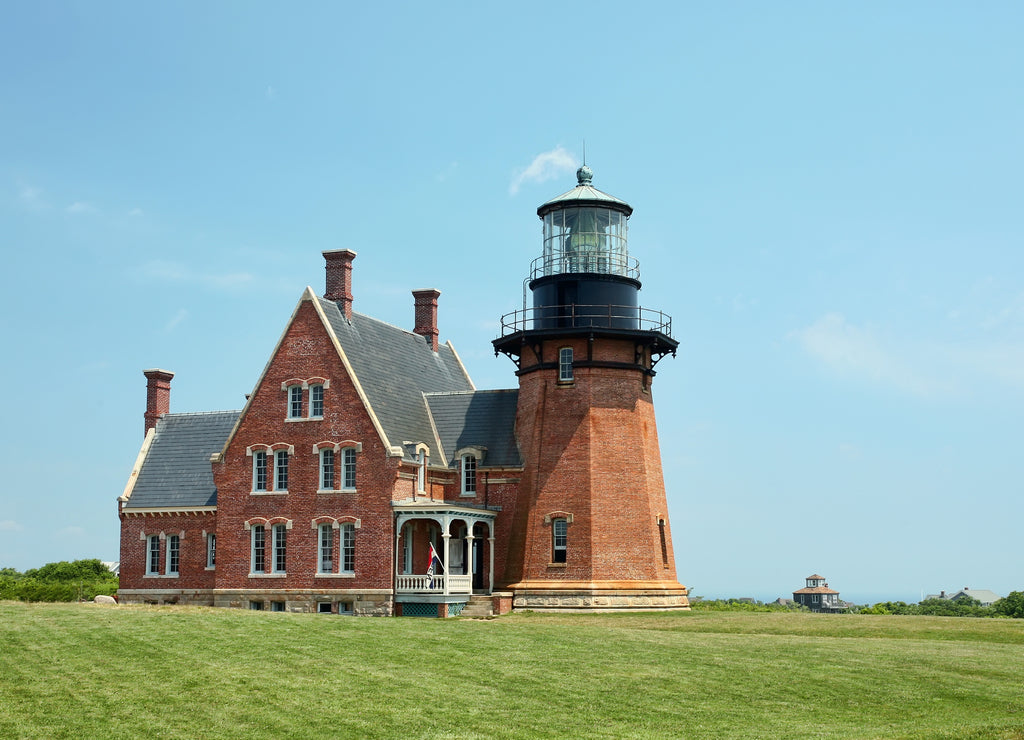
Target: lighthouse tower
(590, 527)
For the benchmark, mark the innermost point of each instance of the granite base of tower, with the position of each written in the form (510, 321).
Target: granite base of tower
(599, 596)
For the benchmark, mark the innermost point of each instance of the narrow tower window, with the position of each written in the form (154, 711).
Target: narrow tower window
(565, 365)
(559, 539)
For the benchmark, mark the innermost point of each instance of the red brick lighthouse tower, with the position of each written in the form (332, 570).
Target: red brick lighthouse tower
(591, 524)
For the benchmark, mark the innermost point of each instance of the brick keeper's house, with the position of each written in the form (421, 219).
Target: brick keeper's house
(367, 475)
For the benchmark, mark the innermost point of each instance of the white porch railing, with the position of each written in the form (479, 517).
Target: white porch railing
(406, 584)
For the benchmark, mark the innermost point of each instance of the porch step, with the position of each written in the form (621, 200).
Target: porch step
(478, 606)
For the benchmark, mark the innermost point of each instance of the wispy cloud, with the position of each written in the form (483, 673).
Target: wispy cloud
(32, 198)
(176, 272)
(447, 172)
(860, 353)
(173, 322)
(921, 368)
(8, 525)
(545, 166)
(81, 207)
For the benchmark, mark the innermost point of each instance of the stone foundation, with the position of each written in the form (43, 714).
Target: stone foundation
(365, 603)
(599, 600)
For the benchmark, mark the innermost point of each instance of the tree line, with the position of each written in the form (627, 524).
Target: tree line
(81, 580)
(1008, 606)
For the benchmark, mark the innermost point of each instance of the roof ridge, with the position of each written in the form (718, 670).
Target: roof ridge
(374, 319)
(472, 393)
(200, 413)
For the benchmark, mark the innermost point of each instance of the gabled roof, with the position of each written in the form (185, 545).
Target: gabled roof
(983, 595)
(477, 419)
(395, 368)
(815, 590)
(175, 471)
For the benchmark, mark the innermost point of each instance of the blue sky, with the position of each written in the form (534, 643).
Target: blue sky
(827, 201)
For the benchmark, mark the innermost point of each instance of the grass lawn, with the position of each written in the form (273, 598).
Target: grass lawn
(85, 671)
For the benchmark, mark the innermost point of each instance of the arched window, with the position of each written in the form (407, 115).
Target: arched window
(326, 469)
(173, 554)
(153, 555)
(316, 401)
(259, 470)
(325, 561)
(294, 401)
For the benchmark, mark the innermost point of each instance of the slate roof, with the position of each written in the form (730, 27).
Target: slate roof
(396, 368)
(480, 419)
(176, 471)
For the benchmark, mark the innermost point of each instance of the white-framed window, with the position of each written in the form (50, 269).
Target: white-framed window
(326, 469)
(211, 550)
(294, 401)
(281, 470)
(259, 470)
(348, 469)
(280, 532)
(173, 554)
(565, 365)
(421, 471)
(348, 548)
(468, 475)
(259, 548)
(316, 401)
(559, 540)
(325, 558)
(153, 555)
(323, 607)
(407, 549)
(277, 606)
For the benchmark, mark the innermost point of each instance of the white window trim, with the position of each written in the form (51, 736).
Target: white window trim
(266, 477)
(252, 551)
(167, 560)
(342, 528)
(150, 541)
(211, 549)
(562, 365)
(291, 402)
(321, 386)
(463, 477)
(320, 529)
(341, 469)
(287, 456)
(279, 532)
(321, 488)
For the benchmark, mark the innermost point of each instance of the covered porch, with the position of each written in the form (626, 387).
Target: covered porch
(463, 539)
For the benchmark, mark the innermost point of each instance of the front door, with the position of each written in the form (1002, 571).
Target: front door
(478, 565)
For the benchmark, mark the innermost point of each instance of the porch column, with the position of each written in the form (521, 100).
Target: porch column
(490, 579)
(446, 537)
(469, 554)
(398, 551)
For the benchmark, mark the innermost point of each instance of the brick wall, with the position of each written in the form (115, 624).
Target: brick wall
(306, 352)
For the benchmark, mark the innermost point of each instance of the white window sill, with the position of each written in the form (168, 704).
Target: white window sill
(470, 494)
(336, 490)
(211, 567)
(303, 418)
(267, 493)
(335, 575)
(268, 575)
(162, 575)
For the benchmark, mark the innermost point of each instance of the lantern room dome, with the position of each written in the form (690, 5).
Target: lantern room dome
(585, 194)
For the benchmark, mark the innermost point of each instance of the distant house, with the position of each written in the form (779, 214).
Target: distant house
(983, 595)
(818, 597)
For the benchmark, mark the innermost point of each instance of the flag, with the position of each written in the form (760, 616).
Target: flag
(430, 568)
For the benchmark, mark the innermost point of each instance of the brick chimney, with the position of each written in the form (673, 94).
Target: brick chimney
(158, 395)
(339, 279)
(426, 314)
